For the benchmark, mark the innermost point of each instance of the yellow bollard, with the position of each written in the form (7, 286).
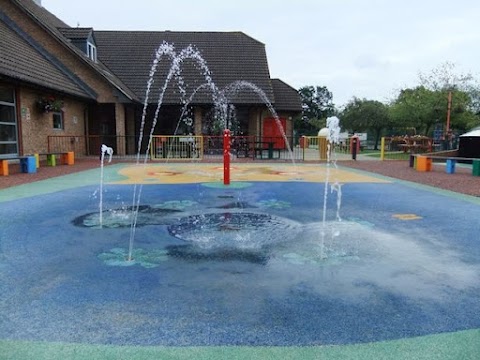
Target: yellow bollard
(382, 149)
(37, 159)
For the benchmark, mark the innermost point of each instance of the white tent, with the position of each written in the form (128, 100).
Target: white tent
(469, 146)
(473, 133)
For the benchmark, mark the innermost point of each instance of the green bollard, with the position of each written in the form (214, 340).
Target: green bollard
(476, 167)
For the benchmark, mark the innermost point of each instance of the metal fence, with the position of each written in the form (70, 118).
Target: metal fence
(125, 146)
(196, 148)
(243, 148)
(176, 148)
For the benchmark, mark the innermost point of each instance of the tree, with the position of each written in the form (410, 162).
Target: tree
(464, 93)
(317, 106)
(423, 108)
(418, 108)
(366, 115)
(446, 77)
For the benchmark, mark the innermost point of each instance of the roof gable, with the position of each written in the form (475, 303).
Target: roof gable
(21, 58)
(77, 33)
(52, 24)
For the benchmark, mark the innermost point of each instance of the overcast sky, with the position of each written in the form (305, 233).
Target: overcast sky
(363, 48)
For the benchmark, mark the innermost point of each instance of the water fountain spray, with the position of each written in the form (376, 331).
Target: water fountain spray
(103, 150)
(333, 137)
(220, 100)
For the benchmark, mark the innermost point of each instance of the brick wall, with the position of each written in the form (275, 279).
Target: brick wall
(36, 125)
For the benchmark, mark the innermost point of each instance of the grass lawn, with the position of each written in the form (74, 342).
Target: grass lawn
(389, 155)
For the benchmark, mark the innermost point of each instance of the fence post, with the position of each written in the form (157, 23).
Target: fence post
(382, 149)
(152, 146)
(303, 141)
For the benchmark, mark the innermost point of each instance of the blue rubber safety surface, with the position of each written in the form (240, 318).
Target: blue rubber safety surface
(255, 265)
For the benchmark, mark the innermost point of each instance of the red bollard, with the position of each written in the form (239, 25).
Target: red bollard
(226, 157)
(354, 146)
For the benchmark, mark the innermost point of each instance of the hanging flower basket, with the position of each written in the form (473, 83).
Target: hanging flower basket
(50, 103)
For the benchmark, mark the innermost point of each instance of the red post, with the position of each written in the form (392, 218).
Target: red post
(449, 109)
(226, 157)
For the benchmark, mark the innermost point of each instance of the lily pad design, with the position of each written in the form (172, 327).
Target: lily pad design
(145, 258)
(274, 204)
(232, 185)
(122, 217)
(361, 222)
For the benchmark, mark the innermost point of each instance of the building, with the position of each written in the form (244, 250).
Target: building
(76, 88)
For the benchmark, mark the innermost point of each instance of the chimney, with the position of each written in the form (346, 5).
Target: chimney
(38, 2)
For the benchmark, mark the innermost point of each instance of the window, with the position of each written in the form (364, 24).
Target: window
(58, 120)
(91, 51)
(6, 95)
(8, 123)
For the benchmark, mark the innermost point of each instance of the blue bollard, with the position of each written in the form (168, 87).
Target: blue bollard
(450, 166)
(28, 164)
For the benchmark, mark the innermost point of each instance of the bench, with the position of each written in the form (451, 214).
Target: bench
(27, 164)
(424, 163)
(242, 149)
(261, 153)
(66, 158)
(265, 150)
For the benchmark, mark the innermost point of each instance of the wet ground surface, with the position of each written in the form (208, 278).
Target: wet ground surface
(247, 266)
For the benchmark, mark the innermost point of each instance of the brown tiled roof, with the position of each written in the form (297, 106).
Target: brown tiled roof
(230, 57)
(286, 97)
(41, 13)
(125, 60)
(24, 60)
(52, 24)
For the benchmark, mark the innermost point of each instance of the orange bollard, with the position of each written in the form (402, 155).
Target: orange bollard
(68, 158)
(424, 163)
(4, 167)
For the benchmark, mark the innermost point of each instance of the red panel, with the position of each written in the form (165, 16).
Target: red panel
(273, 132)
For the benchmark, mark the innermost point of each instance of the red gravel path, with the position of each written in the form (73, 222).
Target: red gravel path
(462, 181)
(45, 172)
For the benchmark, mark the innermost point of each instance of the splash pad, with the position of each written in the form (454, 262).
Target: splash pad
(226, 266)
(252, 265)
